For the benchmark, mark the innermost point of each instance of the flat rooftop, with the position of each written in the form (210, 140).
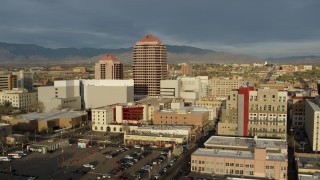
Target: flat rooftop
(47, 116)
(236, 154)
(246, 142)
(49, 142)
(165, 127)
(154, 101)
(156, 135)
(308, 161)
(314, 105)
(181, 111)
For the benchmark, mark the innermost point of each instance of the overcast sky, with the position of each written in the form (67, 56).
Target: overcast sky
(264, 28)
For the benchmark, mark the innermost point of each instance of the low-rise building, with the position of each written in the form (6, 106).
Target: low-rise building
(307, 166)
(184, 116)
(249, 164)
(49, 145)
(47, 121)
(241, 157)
(19, 98)
(152, 139)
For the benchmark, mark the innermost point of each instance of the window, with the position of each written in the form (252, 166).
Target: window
(227, 164)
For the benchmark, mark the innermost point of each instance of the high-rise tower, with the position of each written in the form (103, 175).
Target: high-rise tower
(149, 66)
(108, 67)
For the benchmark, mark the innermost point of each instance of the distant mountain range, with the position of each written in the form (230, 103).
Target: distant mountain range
(296, 60)
(29, 53)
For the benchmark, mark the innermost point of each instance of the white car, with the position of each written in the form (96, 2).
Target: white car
(88, 166)
(106, 176)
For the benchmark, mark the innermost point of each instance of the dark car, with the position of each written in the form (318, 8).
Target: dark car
(120, 169)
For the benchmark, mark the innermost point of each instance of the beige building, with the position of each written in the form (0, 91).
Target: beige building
(186, 69)
(47, 121)
(245, 164)
(250, 112)
(209, 102)
(152, 139)
(223, 87)
(225, 156)
(312, 115)
(79, 69)
(19, 98)
(109, 67)
(149, 66)
(185, 116)
(8, 82)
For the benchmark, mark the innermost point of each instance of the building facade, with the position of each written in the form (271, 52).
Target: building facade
(149, 66)
(24, 80)
(241, 157)
(109, 67)
(186, 69)
(312, 115)
(85, 94)
(223, 87)
(8, 82)
(250, 112)
(19, 98)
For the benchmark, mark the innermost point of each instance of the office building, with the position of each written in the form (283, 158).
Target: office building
(307, 166)
(312, 115)
(250, 112)
(186, 69)
(19, 98)
(149, 66)
(88, 94)
(24, 80)
(8, 82)
(109, 67)
(188, 88)
(222, 87)
(241, 157)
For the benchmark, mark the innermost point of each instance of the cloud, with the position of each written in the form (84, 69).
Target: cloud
(263, 28)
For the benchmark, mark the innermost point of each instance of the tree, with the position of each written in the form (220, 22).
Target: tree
(178, 150)
(37, 106)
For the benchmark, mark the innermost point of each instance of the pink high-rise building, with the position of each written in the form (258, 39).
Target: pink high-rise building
(149, 66)
(108, 67)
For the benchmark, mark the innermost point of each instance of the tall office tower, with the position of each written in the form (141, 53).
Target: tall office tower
(8, 82)
(24, 80)
(149, 66)
(312, 125)
(186, 69)
(109, 67)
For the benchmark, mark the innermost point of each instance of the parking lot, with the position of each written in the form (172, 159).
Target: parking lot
(69, 164)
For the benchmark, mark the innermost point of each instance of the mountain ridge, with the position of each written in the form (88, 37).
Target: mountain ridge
(14, 53)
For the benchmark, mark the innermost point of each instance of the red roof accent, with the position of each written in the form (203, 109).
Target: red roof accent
(150, 38)
(109, 57)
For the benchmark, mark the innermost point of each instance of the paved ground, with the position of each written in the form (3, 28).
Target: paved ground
(50, 166)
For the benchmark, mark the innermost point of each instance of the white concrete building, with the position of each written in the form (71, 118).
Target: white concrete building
(88, 94)
(19, 98)
(312, 120)
(188, 88)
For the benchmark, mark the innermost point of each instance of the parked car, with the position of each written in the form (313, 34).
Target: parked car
(137, 146)
(88, 166)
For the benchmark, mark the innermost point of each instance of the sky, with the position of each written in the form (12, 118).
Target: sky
(263, 28)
